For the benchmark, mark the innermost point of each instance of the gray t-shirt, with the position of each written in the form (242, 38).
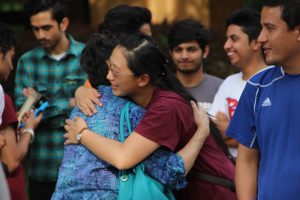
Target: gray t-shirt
(205, 91)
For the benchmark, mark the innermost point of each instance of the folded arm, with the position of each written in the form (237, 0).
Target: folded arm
(13, 153)
(14, 150)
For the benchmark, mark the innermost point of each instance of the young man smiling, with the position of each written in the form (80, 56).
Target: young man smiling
(53, 70)
(243, 51)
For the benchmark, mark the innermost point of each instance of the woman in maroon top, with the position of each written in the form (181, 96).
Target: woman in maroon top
(15, 143)
(11, 162)
(137, 69)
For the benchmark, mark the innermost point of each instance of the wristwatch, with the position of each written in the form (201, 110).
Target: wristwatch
(79, 134)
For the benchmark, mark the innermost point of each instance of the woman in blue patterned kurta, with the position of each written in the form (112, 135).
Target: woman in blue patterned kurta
(85, 176)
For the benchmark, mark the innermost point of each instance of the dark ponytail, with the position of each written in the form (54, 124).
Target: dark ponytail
(219, 140)
(145, 57)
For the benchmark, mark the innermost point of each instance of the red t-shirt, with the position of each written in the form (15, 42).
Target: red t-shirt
(16, 179)
(169, 122)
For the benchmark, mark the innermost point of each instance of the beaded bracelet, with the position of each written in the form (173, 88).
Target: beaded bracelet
(28, 131)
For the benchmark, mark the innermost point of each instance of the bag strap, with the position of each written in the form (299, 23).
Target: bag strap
(124, 116)
(229, 184)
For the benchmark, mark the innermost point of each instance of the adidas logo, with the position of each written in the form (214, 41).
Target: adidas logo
(267, 102)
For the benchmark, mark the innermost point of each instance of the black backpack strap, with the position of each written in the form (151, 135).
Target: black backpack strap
(229, 184)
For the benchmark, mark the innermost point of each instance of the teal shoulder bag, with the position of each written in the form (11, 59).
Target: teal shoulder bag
(134, 183)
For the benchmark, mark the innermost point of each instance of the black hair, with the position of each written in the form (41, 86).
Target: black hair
(145, 57)
(125, 19)
(7, 39)
(215, 132)
(188, 30)
(58, 8)
(290, 11)
(249, 21)
(144, 15)
(93, 57)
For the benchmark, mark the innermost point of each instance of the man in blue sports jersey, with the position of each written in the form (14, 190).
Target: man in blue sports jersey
(266, 122)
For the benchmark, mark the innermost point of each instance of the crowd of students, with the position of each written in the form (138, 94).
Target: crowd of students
(182, 122)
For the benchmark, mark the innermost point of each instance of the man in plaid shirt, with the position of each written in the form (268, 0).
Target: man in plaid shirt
(54, 71)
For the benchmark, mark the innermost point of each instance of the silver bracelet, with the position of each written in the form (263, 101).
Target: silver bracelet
(30, 131)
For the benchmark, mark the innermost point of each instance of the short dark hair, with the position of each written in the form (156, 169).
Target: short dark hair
(7, 38)
(125, 19)
(93, 57)
(188, 30)
(249, 21)
(58, 8)
(290, 11)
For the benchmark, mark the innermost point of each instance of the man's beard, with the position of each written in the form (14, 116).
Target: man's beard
(189, 71)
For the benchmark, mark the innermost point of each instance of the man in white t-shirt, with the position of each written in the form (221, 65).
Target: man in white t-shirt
(243, 51)
(188, 43)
